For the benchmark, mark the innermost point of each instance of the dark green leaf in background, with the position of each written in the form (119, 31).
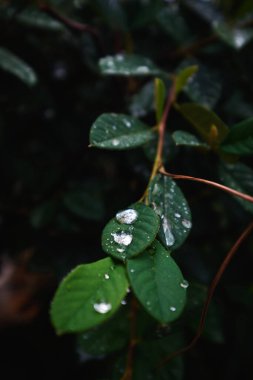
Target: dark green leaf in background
(158, 283)
(183, 138)
(88, 296)
(123, 239)
(234, 37)
(170, 204)
(240, 139)
(118, 131)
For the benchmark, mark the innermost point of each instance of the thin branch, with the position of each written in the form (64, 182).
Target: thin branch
(212, 288)
(227, 189)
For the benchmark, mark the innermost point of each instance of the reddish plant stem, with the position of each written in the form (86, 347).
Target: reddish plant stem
(227, 189)
(211, 290)
(128, 373)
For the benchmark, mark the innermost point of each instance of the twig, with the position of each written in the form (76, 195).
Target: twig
(212, 288)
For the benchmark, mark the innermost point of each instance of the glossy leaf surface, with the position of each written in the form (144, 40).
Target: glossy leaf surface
(240, 139)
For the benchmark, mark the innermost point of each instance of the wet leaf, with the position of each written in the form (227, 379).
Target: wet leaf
(183, 138)
(128, 65)
(88, 296)
(118, 131)
(16, 66)
(158, 283)
(183, 77)
(240, 139)
(170, 204)
(232, 36)
(123, 240)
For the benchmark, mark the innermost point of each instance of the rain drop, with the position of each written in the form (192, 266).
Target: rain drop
(169, 237)
(122, 238)
(184, 284)
(115, 142)
(127, 216)
(177, 215)
(142, 70)
(107, 276)
(102, 307)
(186, 223)
(172, 308)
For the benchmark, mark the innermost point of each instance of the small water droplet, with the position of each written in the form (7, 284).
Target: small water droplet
(172, 308)
(115, 142)
(169, 237)
(186, 223)
(177, 215)
(142, 70)
(123, 302)
(127, 123)
(184, 284)
(102, 307)
(120, 250)
(122, 238)
(132, 270)
(128, 216)
(107, 276)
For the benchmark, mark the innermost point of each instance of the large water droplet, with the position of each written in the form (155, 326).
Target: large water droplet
(172, 308)
(128, 216)
(186, 223)
(122, 238)
(184, 284)
(107, 276)
(102, 307)
(169, 237)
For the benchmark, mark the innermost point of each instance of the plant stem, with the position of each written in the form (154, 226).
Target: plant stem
(227, 189)
(128, 373)
(211, 290)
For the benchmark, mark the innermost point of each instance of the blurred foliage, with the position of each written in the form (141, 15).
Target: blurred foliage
(57, 193)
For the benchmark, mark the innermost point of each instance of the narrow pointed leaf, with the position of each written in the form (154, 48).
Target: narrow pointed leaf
(158, 283)
(170, 204)
(240, 139)
(123, 240)
(16, 66)
(118, 131)
(88, 296)
(183, 138)
(239, 177)
(128, 65)
(210, 127)
(183, 77)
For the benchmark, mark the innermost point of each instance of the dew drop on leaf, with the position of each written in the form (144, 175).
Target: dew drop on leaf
(186, 223)
(122, 238)
(169, 237)
(172, 308)
(107, 276)
(184, 284)
(128, 216)
(102, 307)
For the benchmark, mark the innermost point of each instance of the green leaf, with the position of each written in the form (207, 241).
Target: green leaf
(158, 283)
(128, 65)
(239, 177)
(16, 66)
(43, 214)
(39, 20)
(169, 202)
(187, 139)
(210, 127)
(123, 240)
(84, 204)
(142, 102)
(240, 139)
(232, 36)
(160, 94)
(118, 131)
(88, 296)
(108, 337)
(204, 87)
(183, 77)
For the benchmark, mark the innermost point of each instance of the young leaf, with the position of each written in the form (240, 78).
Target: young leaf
(169, 202)
(128, 65)
(158, 283)
(240, 139)
(16, 66)
(160, 94)
(187, 139)
(127, 236)
(118, 131)
(108, 337)
(88, 295)
(183, 77)
(210, 127)
(234, 37)
(240, 177)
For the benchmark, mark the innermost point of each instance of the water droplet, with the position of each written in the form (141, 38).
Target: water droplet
(107, 276)
(102, 307)
(123, 302)
(169, 237)
(120, 250)
(127, 216)
(115, 142)
(172, 308)
(132, 270)
(186, 223)
(142, 70)
(119, 57)
(122, 238)
(177, 215)
(184, 284)
(127, 123)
